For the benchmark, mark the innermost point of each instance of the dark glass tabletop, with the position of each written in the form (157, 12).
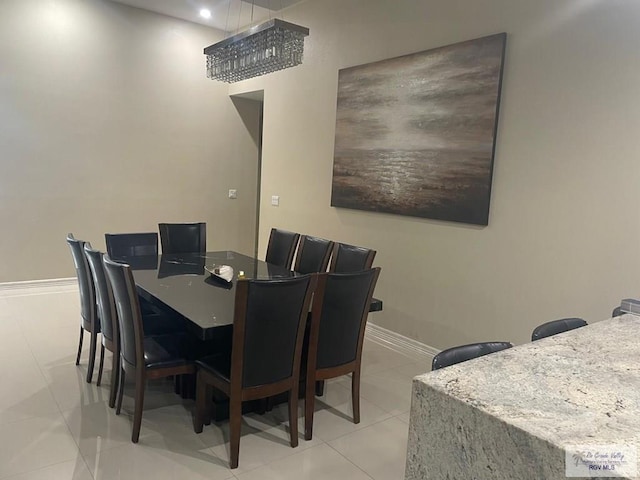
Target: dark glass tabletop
(179, 283)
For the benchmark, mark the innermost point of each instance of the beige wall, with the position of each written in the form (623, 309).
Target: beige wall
(563, 236)
(118, 98)
(109, 124)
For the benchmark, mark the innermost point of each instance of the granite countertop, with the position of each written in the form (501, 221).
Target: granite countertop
(581, 386)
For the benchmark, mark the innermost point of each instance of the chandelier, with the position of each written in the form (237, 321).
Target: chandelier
(271, 46)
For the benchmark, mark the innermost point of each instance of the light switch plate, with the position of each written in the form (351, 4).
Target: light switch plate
(275, 200)
(233, 193)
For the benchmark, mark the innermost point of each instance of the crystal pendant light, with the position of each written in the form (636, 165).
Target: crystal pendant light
(268, 47)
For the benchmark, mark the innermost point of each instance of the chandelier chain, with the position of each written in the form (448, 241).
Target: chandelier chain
(226, 23)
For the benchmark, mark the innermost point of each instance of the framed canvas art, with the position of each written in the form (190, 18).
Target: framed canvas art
(415, 135)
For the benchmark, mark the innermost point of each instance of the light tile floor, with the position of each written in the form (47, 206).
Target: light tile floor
(53, 425)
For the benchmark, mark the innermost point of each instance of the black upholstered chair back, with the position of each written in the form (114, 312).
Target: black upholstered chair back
(88, 309)
(349, 258)
(345, 301)
(183, 237)
(128, 309)
(556, 326)
(454, 355)
(313, 254)
(281, 247)
(268, 328)
(104, 296)
(131, 244)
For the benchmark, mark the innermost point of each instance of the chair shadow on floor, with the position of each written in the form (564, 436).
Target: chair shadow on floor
(320, 404)
(90, 393)
(160, 394)
(271, 426)
(24, 408)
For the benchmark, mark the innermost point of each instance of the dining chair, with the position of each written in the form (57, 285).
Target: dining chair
(140, 251)
(131, 244)
(344, 259)
(88, 308)
(556, 326)
(183, 237)
(313, 255)
(268, 329)
(108, 317)
(153, 321)
(349, 258)
(338, 320)
(462, 353)
(281, 247)
(146, 358)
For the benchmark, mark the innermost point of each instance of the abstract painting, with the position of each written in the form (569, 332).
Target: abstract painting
(415, 135)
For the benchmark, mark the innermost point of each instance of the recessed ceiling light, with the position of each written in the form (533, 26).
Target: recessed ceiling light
(205, 13)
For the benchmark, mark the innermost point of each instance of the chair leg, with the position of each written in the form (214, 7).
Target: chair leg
(139, 404)
(80, 345)
(319, 388)
(208, 413)
(309, 405)
(261, 406)
(92, 356)
(355, 394)
(187, 385)
(120, 391)
(115, 378)
(177, 385)
(235, 424)
(201, 404)
(100, 366)
(293, 415)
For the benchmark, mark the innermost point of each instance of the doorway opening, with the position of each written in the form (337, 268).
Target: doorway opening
(250, 107)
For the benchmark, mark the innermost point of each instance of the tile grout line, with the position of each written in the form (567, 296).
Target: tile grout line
(376, 422)
(20, 474)
(40, 368)
(358, 431)
(77, 442)
(351, 462)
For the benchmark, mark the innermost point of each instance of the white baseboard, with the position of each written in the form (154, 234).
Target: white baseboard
(38, 287)
(400, 343)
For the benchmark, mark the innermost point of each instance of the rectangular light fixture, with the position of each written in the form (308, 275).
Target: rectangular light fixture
(268, 47)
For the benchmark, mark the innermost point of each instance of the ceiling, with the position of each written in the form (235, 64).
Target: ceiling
(229, 15)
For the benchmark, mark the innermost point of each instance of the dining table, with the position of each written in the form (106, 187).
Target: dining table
(182, 286)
